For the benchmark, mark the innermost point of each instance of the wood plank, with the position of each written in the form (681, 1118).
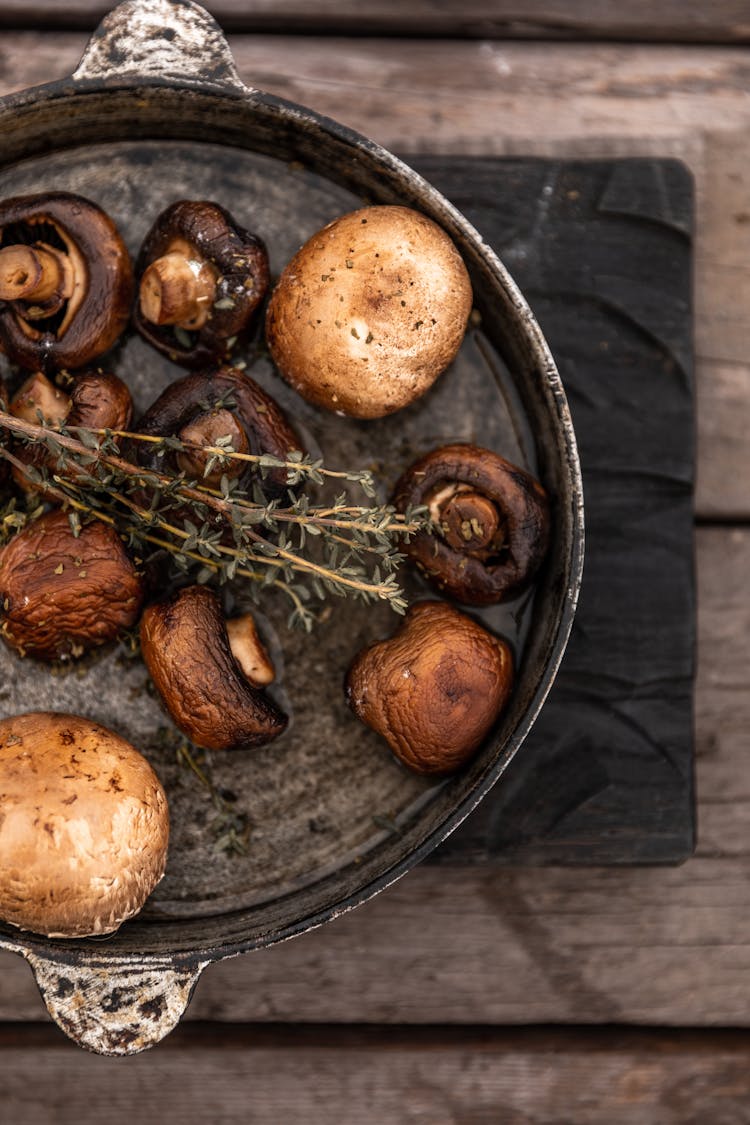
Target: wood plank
(678, 21)
(483, 945)
(548, 101)
(376, 1077)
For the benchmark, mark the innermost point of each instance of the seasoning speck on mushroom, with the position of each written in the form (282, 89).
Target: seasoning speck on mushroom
(491, 523)
(199, 672)
(84, 827)
(434, 689)
(61, 594)
(369, 312)
(202, 276)
(66, 281)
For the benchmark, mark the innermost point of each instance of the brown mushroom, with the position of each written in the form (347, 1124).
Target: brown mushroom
(202, 276)
(434, 689)
(369, 312)
(187, 651)
(62, 594)
(491, 523)
(94, 400)
(66, 282)
(84, 827)
(206, 405)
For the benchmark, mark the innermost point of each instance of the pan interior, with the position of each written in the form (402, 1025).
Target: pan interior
(327, 795)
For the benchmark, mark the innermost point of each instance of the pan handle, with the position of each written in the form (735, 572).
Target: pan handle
(145, 40)
(115, 1005)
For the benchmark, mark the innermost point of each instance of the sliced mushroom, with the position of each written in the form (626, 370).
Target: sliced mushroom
(66, 282)
(94, 400)
(433, 690)
(62, 594)
(202, 276)
(187, 651)
(206, 405)
(84, 826)
(491, 523)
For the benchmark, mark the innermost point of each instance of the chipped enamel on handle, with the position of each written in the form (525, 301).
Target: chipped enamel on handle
(115, 1006)
(166, 39)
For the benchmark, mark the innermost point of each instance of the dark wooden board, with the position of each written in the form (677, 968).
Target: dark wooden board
(602, 250)
(679, 21)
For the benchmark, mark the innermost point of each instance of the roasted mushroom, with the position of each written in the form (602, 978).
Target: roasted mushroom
(66, 282)
(491, 521)
(369, 312)
(201, 681)
(95, 400)
(61, 595)
(434, 689)
(202, 276)
(84, 826)
(202, 407)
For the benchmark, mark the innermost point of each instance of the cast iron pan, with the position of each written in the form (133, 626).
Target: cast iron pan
(156, 112)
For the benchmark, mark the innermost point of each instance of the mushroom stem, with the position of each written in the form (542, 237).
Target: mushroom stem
(207, 429)
(178, 290)
(30, 273)
(469, 521)
(249, 651)
(37, 395)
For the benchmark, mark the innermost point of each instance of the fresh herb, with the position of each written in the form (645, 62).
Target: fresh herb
(223, 534)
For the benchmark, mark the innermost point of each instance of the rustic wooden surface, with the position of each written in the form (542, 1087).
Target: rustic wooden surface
(676, 21)
(502, 948)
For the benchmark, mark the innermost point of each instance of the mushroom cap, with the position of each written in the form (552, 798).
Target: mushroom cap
(241, 264)
(104, 292)
(84, 826)
(475, 573)
(61, 594)
(434, 689)
(186, 649)
(369, 312)
(266, 426)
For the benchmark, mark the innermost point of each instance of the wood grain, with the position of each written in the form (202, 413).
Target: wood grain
(384, 1077)
(546, 100)
(677, 21)
(486, 945)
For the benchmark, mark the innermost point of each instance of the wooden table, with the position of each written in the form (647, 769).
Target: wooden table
(542, 995)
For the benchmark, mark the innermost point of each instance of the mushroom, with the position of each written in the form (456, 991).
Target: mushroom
(202, 407)
(199, 674)
(66, 282)
(202, 276)
(95, 400)
(434, 689)
(62, 594)
(491, 523)
(84, 826)
(369, 312)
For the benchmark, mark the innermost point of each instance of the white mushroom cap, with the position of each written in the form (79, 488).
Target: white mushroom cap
(84, 826)
(370, 311)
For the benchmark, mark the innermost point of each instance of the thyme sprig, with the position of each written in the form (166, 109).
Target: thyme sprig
(228, 533)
